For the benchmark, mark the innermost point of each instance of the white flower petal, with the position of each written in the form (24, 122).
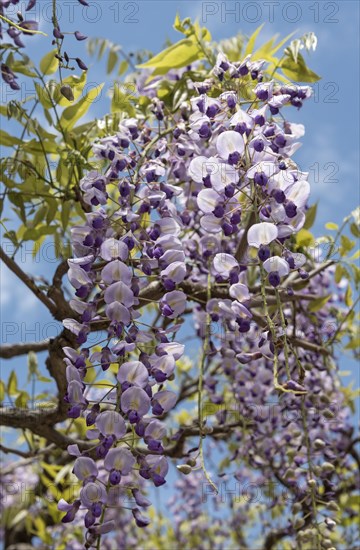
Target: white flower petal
(211, 223)
(277, 264)
(298, 193)
(262, 233)
(207, 199)
(224, 263)
(229, 142)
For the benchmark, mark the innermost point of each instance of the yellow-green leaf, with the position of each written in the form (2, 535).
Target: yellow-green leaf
(73, 113)
(2, 390)
(356, 255)
(12, 384)
(120, 102)
(123, 67)
(49, 63)
(112, 60)
(339, 271)
(346, 245)
(348, 296)
(6, 140)
(22, 399)
(281, 43)
(310, 216)
(178, 55)
(298, 71)
(251, 43)
(304, 238)
(76, 84)
(316, 305)
(332, 226)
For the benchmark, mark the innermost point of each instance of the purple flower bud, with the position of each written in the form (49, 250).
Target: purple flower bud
(140, 520)
(79, 36)
(263, 253)
(114, 477)
(258, 145)
(204, 131)
(89, 519)
(234, 158)
(260, 178)
(57, 33)
(274, 278)
(279, 196)
(290, 209)
(29, 26)
(81, 64)
(30, 5)
(140, 499)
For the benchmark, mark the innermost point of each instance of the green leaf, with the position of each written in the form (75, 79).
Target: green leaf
(281, 43)
(76, 84)
(355, 230)
(34, 146)
(298, 71)
(39, 216)
(2, 391)
(43, 96)
(12, 384)
(348, 296)
(339, 271)
(354, 343)
(304, 238)
(65, 214)
(310, 217)
(251, 43)
(356, 255)
(346, 245)
(7, 140)
(35, 234)
(120, 102)
(332, 226)
(178, 55)
(73, 113)
(32, 364)
(112, 60)
(49, 63)
(123, 67)
(44, 379)
(316, 305)
(20, 516)
(52, 209)
(22, 400)
(19, 66)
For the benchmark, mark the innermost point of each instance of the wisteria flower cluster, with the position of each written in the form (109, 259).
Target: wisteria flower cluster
(192, 210)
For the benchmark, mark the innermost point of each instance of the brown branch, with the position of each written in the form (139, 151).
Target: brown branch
(40, 423)
(275, 536)
(56, 294)
(13, 350)
(8, 451)
(308, 345)
(56, 365)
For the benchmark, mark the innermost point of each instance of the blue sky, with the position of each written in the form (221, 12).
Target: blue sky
(330, 150)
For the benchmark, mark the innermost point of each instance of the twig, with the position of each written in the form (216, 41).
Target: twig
(13, 266)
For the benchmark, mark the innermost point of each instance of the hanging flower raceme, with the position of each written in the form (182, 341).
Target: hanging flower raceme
(214, 204)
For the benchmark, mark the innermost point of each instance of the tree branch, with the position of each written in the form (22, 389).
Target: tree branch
(41, 423)
(13, 350)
